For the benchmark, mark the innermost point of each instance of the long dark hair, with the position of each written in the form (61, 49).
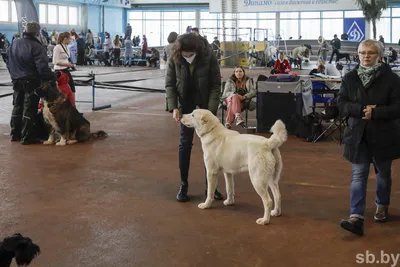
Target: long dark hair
(244, 79)
(188, 42)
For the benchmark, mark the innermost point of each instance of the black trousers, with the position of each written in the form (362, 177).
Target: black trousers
(185, 149)
(71, 82)
(334, 52)
(81, 58)
(24, 112)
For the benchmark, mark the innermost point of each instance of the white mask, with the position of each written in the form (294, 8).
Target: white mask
(190, 59)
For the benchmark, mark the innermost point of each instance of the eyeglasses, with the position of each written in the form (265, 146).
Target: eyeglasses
(369, 53)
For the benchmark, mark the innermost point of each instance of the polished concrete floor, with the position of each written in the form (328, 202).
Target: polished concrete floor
(112, 202)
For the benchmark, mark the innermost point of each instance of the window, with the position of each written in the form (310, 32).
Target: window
(289, 28)
(153, 32)
(58, 14)
(331, 27)
(4, 16)
(14, 17)
(62, 15)
(42, 13)
(383, 28)
(395, 13)
(310, 29)
(289, 15)
(353, 14)
(152, 15)
(188, 15)
(171, 15)
(135, 15)
(247, 15)
(332, 15)
(168, 27)
(267, 15)
(206, 15)
(52, 14)
(310, 15)
(73, 15)
(395, 30)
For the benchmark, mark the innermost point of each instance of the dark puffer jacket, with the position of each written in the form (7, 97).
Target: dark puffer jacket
(207, 79)
(382, 132)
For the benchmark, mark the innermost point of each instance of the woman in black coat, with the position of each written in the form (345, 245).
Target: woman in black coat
(370, 98)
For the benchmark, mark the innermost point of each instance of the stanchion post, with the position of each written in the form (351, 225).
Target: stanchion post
(94, 94)
(93, 89)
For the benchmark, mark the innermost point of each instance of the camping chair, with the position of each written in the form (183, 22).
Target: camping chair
(224, 108)
(337, 122)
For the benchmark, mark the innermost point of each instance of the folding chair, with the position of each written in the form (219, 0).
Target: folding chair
(337, 122)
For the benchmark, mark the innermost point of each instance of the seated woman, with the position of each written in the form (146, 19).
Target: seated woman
(329, 70)
(282, 65)
(239, 92)
(155, 56)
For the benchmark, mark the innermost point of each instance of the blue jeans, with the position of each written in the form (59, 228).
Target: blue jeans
(358, 188)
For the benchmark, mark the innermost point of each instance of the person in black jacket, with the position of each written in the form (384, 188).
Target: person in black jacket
(193, 80)
(335, 48)
(370, 98)
(28, 66)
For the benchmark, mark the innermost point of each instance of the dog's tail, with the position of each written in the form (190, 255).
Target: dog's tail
(279, 135)
(98, 134)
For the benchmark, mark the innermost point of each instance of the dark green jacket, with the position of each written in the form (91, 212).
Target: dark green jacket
(207, 77)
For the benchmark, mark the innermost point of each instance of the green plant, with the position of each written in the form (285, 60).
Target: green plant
(372, 10)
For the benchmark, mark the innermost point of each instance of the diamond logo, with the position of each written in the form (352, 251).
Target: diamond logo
(355, 33)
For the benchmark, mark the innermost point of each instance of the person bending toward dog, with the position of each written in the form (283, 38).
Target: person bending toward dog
(193, 80)
(370, 98)
(238, 92)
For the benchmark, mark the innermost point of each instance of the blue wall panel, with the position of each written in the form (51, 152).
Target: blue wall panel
(94, 19)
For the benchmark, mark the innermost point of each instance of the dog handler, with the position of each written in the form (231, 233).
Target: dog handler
(193, 80)
(28, 66)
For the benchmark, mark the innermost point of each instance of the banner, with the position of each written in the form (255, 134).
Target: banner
(26, 12)
(283, 5)
(115, 3)
(355, 28)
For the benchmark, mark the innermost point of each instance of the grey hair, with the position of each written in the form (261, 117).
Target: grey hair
(377, 44)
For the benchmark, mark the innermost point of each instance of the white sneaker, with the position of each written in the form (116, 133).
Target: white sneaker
(239, 120)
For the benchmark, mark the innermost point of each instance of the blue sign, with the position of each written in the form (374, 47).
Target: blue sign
(355, 28)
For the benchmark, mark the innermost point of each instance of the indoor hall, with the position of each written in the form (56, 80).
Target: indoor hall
(112, 201)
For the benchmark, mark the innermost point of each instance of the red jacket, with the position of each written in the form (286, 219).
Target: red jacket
(285, 65)
(64, 87)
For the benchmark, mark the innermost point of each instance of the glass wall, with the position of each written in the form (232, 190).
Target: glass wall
(255, 26)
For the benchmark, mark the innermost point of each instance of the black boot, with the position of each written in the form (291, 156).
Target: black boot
(354, 225)
(217, 194)
(182, 194)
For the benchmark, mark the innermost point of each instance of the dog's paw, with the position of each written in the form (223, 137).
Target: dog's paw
(275, 213)
(61, 143)
(48, 143)
(71, 142)
(204, 206)
(229, 202)
(262, 221)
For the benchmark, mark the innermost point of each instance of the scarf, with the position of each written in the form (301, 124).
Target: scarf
(367, 73)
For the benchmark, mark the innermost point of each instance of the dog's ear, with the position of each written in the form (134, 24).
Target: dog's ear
(204, 119)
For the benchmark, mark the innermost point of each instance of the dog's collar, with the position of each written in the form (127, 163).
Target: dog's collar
(207, 131)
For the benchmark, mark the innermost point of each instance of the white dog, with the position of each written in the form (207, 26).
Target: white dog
(229, 152)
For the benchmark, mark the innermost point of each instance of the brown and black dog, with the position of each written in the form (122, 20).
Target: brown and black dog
(63, 117)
